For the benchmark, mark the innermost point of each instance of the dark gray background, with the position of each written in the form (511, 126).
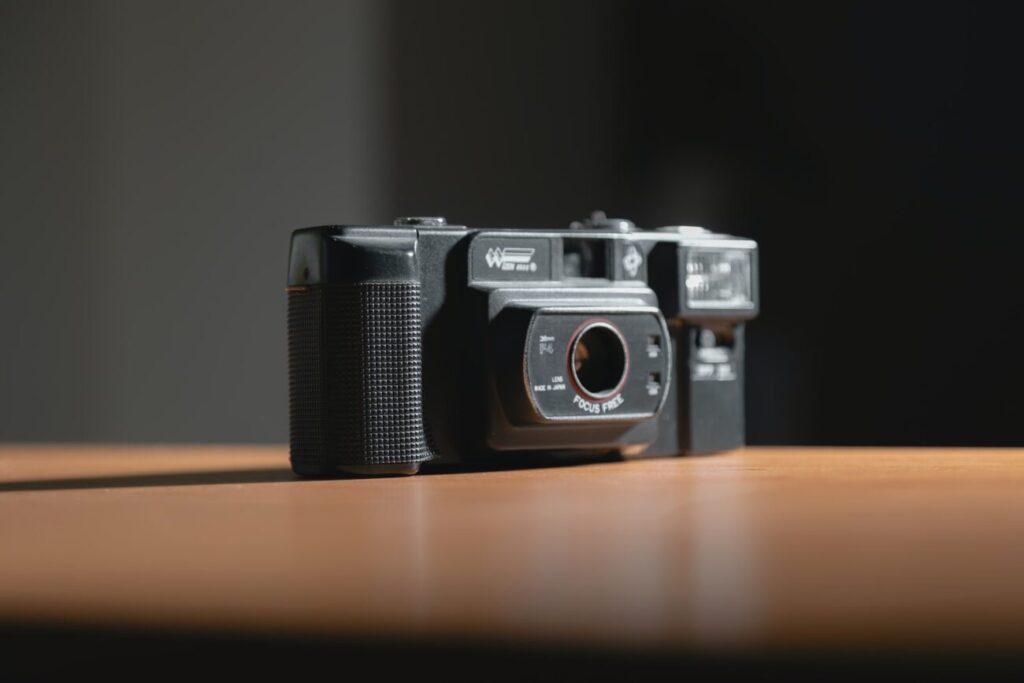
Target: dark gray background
(155, 155)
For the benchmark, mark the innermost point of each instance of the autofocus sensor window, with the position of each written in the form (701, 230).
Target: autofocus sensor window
(599, 359)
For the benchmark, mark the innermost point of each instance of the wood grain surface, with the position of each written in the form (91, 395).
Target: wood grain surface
(765, 547)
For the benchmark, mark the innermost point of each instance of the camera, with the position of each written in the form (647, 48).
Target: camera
(423, 341)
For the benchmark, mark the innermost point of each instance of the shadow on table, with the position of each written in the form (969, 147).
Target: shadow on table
(261, 476)
(264, 476)
(120, 653)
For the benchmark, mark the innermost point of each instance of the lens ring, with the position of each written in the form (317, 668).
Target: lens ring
(598, 360)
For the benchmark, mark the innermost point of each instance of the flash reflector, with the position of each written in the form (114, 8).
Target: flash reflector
(718, 278)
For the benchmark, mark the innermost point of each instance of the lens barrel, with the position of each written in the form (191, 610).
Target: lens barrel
(598, 360)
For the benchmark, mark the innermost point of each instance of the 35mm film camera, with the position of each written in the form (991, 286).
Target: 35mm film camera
(423, 341)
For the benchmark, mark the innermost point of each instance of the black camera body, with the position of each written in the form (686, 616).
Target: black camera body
(423, 341)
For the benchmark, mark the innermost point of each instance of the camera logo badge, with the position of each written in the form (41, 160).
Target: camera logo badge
(632, 261)
(511, 258)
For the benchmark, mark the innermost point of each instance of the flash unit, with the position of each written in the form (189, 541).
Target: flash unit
(718, 278)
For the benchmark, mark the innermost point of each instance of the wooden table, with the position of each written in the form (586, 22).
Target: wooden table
(765, 549)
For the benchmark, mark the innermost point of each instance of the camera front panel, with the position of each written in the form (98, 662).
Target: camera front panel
(596, 364)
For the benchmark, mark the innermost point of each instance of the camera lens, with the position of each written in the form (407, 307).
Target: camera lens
(599, 360)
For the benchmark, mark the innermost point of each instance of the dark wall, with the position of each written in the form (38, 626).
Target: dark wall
(156, 154)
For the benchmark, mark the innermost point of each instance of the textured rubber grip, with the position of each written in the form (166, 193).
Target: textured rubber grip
(355, 376)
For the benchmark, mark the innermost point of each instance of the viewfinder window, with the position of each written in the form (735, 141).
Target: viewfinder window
(583, 258)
